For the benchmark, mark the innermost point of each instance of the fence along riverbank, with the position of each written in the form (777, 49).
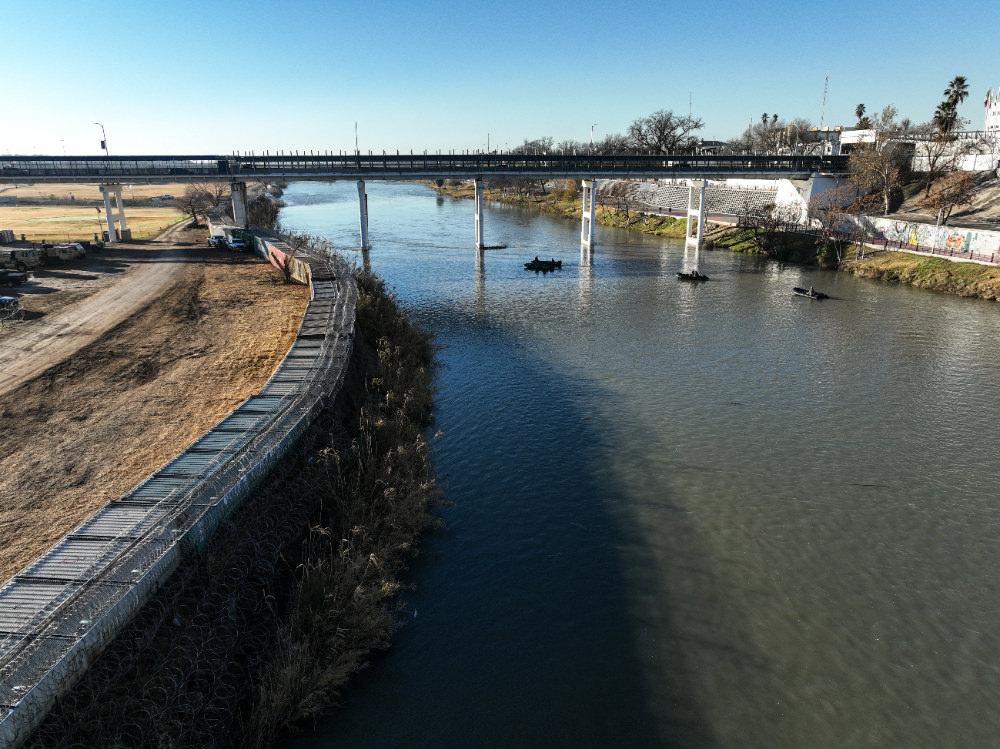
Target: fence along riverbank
(62, 610)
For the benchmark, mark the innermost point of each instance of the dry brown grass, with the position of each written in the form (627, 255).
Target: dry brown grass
(93, 426)
(68, 223)
(67, 191)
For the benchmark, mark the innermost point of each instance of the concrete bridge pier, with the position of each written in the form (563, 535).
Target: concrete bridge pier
(478, 183)
(363, 216)
(108, 192)
(696, 187)
(238, 192)
(587, 218)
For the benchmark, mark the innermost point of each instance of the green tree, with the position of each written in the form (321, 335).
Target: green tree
(863, 122)
(946, 117)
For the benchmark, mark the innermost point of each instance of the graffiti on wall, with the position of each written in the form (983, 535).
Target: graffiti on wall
(926, 235)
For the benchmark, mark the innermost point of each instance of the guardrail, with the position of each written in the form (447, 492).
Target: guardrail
(60, 612)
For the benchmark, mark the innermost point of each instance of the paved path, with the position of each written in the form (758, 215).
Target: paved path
(44, 343)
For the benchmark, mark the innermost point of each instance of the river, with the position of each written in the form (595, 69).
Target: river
(712, 515)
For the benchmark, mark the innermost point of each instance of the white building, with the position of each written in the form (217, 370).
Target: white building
(991, 122)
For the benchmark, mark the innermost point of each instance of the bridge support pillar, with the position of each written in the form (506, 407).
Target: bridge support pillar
(478, 183)
(238, 193)
(363, 207)
(109, 192)
(587, 218)
(696, 187)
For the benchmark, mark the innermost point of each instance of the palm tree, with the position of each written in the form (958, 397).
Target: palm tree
(859, 111)
(957, 91)
(944, 117)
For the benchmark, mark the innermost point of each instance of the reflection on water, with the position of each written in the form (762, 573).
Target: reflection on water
(711, 514)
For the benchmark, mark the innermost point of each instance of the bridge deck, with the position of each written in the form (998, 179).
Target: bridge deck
(408, 166)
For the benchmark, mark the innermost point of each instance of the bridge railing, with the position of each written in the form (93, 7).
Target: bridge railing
(374, 164)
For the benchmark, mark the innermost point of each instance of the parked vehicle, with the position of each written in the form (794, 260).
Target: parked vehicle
(12, 277)
(20, 259)
(217, 240)
(10, 309)
(237, 244)
(64, 252)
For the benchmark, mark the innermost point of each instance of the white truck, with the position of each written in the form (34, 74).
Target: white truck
(20, 259)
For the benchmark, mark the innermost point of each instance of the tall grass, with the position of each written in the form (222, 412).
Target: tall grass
(379, 489)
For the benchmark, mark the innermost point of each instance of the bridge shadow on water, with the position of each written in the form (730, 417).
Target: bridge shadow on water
(521, 629)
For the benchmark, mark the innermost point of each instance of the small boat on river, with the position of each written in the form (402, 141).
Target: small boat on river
(692, 276)
(543, 265)
(809, 293)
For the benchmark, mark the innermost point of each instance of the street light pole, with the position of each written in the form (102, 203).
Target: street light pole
(104, 140)
(592, 137)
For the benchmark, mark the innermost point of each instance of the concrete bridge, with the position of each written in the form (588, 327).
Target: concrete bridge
(112, 171)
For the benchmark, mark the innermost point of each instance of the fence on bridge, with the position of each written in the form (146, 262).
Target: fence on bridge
(400, 165)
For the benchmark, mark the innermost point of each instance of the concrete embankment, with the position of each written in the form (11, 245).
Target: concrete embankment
(298, 586)
(58, 614)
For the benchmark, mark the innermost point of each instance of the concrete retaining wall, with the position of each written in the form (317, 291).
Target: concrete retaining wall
(980, 243)
(59, 613)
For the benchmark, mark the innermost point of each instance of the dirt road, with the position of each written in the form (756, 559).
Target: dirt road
(204, 333)
(43, 343)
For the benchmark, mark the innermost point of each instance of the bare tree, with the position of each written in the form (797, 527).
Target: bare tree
(196, 199)
(263, 212)
(829, 211)
(536, 146)
(878, 168)
(664, 132)
(958, 188)
(613, 143)
(876, 171)
(571, 146)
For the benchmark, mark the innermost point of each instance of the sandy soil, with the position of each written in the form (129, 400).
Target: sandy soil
(68, 308)
(92, 426)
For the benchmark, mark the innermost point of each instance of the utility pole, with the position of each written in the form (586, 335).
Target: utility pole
(822, 111)
(592, 137)
(356, 151)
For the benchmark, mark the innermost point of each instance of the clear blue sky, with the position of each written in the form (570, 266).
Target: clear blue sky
(206, 77)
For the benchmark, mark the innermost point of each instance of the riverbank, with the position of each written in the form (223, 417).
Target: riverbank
(298, 588)
(566, 204)
(930, 273)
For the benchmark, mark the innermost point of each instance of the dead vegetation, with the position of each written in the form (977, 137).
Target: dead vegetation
(89, 428)
(265, 630)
